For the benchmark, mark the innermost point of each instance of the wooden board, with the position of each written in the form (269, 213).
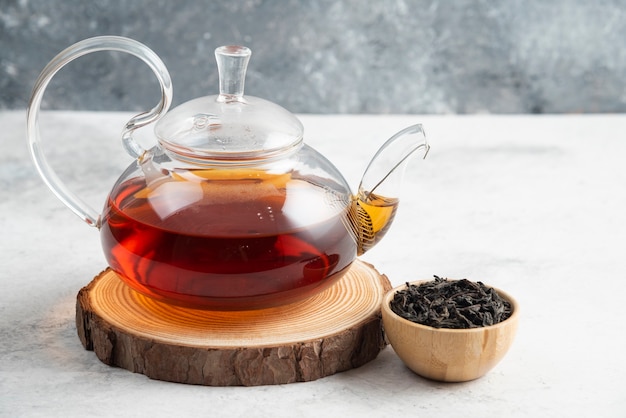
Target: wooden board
(336, 330)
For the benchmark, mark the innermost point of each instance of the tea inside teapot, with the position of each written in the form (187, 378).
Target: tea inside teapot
(249, 240)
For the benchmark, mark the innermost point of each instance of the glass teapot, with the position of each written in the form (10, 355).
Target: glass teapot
(230, 210)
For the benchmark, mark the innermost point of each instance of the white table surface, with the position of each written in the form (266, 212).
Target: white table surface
(534, 205)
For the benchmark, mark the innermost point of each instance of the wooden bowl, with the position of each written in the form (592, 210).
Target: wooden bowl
(448, 355)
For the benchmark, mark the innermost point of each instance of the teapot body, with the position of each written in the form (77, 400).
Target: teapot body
(229, 238)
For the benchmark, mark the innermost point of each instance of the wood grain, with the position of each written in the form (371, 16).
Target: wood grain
(336, 330)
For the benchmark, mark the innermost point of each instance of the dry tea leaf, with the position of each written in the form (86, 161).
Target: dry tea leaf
(457, 304)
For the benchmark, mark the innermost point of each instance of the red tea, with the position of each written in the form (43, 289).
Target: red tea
(225, 244)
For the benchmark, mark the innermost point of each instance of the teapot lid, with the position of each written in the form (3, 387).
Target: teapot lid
(229, 126)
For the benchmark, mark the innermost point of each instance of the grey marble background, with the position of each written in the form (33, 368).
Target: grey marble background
(393, 56)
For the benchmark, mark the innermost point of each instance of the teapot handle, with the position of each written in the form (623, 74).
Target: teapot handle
(100, 43)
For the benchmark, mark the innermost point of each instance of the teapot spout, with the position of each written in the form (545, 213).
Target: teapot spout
(374, 207)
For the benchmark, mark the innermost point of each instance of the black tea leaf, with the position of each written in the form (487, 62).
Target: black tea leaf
(456, 304)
